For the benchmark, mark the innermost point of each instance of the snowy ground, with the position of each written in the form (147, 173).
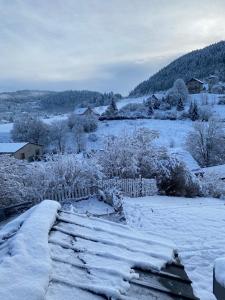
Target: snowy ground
(195, 225)
(171, 132)
(91, 205)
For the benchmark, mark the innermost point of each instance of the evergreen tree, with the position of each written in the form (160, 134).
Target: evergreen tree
(150, 109)
(112, 109)
(149, 105)
(193, 111)
(180, 105)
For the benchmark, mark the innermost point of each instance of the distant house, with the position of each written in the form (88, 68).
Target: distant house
(195, 86)
(86, 111)
(26, 151)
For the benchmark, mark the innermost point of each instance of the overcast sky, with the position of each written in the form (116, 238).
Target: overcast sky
(99, 44)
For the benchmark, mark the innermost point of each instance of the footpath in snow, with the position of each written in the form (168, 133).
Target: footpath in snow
(195, 225)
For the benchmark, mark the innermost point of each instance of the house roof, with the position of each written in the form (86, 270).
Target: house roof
(11, 147)
(81, 111)
(186, 157)
(85, 258)
(196, 79)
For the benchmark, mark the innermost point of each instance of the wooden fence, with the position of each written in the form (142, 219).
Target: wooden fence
(138, 187)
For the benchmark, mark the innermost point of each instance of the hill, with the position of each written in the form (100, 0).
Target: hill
(199, 63)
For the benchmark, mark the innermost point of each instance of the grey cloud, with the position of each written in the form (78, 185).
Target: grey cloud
(105, 45)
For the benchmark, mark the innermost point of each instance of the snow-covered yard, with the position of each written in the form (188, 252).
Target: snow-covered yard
(195, 225)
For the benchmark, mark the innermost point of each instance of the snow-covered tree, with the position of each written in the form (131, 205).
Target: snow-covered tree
(181, 88)
(111, 110)
(12, 188)
(79, 138)
(89, 122)
(58, 135)
(206, 143)
(30, 129)
(193, 111)
(177, 92)
(125, 156)
(149, 105)
(118, 157)
(180, 105)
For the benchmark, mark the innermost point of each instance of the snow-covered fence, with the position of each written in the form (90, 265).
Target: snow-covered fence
(73, 192)
(138, 187)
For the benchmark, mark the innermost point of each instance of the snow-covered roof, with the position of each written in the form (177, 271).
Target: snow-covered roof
(216, 170)
(196, 79)
(11, 147)
(80, 111)
(82, 258)
(185, 157)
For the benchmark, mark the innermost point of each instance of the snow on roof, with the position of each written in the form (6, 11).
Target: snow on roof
(82, 258)
(196, 79)
(11, 147)
(185, 157)
(25, 264)
(216, 170)
(80, 111)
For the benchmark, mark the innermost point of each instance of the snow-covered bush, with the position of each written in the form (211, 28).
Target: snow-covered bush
(130, 155)
(206, 143)
(175, 179)
(89, 123)
(165, 115)
(71, 170)
(213, 186)
(134, 110)
(118, 158)
(12, 181)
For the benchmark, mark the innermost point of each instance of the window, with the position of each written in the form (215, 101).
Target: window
(22, 155)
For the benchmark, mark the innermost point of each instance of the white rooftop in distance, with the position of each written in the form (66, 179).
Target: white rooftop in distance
(11, 147)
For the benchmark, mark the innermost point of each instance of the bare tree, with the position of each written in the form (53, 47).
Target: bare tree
(206, 143)
(58, 132)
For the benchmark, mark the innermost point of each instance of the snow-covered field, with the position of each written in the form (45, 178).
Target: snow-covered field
(195, 225)
(171, 132)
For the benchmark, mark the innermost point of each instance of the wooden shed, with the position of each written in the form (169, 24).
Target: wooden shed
(195, 86)
(28, 151)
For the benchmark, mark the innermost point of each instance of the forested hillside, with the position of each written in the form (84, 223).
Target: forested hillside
(198, 63)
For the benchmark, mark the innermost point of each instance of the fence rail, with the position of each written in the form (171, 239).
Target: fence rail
(138, 187)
